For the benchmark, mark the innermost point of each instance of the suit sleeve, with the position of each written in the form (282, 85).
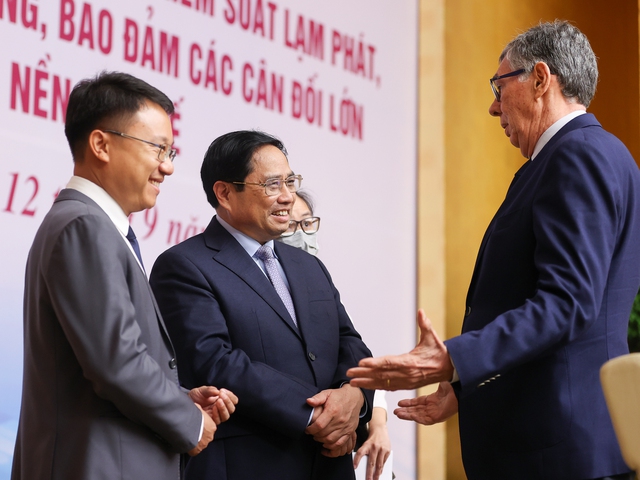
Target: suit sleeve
(576, 217)
(88, 279)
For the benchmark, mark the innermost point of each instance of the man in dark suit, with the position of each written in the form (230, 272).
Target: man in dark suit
(101, 398)
(273, 330)
(553, 285)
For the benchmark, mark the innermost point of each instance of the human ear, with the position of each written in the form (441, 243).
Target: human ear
(222, 191)
(541, 78)
(99, 146)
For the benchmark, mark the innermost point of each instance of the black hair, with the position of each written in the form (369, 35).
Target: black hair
(229, 156)
(106, 101)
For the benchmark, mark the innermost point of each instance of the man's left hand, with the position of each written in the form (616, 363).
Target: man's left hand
(335, 419)
(218, 403)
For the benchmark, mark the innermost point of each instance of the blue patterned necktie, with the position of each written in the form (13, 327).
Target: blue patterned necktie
(265, 253)
(134, 243)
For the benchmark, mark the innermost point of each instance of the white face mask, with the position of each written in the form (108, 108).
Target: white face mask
(307, 242)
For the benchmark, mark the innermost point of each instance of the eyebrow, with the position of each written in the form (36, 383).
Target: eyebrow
(162, 140)
(278, 177)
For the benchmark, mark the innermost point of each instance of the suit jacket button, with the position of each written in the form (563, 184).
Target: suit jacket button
(312, 356)
(172, 363)
(467, 311)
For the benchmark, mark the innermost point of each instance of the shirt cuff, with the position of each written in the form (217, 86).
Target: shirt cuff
(455, 377)
(201, 428)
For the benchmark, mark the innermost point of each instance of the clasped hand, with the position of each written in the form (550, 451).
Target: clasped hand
(335, 419)
(216, 406)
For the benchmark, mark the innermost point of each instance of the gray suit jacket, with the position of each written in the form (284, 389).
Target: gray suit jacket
(100, 395)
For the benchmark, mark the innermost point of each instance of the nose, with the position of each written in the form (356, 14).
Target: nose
(166, 167)
(285, 195)
(494, 108)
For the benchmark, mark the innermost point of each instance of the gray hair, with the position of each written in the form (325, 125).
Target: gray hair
(306, 198)
(565, 50)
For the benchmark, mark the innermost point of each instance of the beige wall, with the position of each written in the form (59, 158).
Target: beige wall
(431, 204)
(465, 161)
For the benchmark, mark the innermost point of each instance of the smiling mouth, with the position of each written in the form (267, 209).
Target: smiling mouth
(155, 184)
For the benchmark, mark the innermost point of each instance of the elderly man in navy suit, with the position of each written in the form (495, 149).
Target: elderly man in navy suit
(264, 320)
(553, 285)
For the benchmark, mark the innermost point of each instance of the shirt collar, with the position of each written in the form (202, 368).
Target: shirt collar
(249, 244)
(553, 129)
(104, 201)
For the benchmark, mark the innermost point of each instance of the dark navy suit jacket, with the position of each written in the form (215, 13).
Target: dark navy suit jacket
(230, 329)
(548, 304)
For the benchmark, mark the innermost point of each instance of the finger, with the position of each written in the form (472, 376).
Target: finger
(381, 458)
(361, 372)
(371, 468)
(209, 401)
(402, 413)
(424, 324)
(427, 334)
(414, 402)
(357, 457)
(331, 436)
(230, 395)
(208, 391)
(319, 398)
(222, 410)
(228, 403)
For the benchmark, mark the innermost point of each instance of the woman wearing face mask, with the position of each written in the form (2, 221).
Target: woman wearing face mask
(303, 227)
(302, 233)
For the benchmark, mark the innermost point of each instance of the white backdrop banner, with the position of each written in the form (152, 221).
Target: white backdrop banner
(335, 80)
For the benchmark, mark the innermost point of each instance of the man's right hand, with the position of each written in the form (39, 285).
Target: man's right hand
(427, 363)
(209, 428)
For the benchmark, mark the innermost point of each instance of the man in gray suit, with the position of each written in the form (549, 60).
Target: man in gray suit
(101, 398)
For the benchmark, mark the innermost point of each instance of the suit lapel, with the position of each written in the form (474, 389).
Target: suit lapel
(230, 254)
(69, 193)
(297, 284)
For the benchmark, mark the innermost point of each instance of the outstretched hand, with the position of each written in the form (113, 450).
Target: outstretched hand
(427, 363)
(429, 409)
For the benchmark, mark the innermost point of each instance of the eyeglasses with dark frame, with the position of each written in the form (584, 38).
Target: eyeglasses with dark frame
(496, 88)
(274, 186)
(309, 225)
(169, 153)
